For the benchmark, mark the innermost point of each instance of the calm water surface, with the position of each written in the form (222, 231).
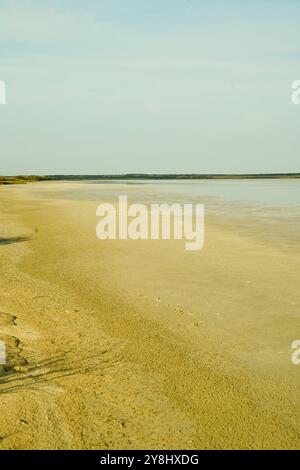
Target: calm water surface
(266, 209)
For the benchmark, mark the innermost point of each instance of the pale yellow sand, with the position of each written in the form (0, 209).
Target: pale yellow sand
(140, 344)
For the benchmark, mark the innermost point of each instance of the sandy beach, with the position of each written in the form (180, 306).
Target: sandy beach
(140, 344)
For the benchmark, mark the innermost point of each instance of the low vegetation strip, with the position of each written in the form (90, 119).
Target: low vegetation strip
(20, 179)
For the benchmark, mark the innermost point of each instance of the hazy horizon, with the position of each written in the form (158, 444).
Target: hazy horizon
(154, 175)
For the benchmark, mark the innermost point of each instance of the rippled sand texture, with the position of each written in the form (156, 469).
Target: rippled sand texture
(140, 344)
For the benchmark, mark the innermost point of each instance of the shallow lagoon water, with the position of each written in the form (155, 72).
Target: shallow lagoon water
(266, 209)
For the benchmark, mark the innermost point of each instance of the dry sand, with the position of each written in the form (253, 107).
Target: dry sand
(140, 344)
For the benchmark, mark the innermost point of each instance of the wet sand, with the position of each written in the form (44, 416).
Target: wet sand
(140, 344)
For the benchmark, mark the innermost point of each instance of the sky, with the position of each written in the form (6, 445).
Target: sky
(149, 86)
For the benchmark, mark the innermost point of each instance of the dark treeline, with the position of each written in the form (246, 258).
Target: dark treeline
(21, 179)
(193, 176)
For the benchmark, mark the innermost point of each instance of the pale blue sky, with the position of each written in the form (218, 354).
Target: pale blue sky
(114, 86)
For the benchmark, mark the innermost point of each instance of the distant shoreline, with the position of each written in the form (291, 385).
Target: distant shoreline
(4, 180)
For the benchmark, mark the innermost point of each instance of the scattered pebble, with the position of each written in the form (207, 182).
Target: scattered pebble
(21, 369)
(70, 312)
